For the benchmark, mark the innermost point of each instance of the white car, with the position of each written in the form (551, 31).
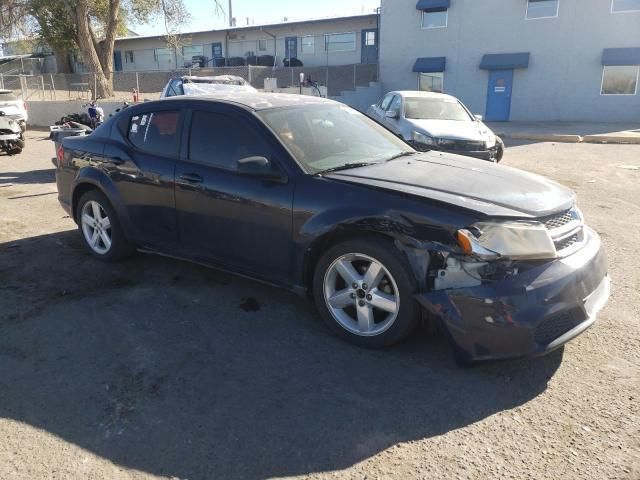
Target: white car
(435, 121)
(191, 86)
(14, 107)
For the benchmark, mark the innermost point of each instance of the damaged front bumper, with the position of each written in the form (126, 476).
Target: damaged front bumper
(531, 313)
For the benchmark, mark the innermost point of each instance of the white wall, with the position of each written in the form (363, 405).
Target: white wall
(43, 114)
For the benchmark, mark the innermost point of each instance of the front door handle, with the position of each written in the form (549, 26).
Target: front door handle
(191, 178)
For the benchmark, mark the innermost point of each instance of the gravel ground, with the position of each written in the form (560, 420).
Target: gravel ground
(154, 368)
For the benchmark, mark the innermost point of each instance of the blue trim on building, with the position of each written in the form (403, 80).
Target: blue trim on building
(432, 4)
(505, 61)
(621, 56)
(430, 64)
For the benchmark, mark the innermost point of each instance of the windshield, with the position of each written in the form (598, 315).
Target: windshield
(425, 108)
(324, 137)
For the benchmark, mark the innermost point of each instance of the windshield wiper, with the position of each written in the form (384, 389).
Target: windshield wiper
(346, 166)
(401, 154)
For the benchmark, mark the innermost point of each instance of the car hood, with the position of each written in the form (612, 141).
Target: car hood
(474, 131)
(484, 187)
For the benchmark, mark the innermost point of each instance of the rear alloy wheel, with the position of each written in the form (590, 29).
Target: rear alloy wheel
(100, 228)
(96, 227)
(363, 290)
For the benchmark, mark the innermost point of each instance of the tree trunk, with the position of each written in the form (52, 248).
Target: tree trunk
(103, 84)
(110, 36)
(63, 61)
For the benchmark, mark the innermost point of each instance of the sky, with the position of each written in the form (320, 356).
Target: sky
(261, 11)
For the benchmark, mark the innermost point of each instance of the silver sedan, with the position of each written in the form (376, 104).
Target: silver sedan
(435, 121)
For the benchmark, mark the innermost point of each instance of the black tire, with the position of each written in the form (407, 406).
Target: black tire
(397, 265)
(499, 150)
(120, 246)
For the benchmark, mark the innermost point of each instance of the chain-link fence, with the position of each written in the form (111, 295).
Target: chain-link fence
(51, 86)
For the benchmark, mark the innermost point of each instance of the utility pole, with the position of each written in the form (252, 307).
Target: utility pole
(230, 14)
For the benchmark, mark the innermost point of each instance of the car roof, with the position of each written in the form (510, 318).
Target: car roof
(418, 93)
(219, 78)
(253, 100)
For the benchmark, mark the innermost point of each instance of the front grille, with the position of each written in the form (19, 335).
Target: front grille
(566, 242)
(558, 220)
(462, 145)
(553, 327)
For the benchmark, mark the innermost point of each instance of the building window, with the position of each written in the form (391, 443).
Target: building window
(340, 42)
(262, 45)
(435, 18)
(190, 51)
(625, 6)
(370, 39)
(308, 45)
(620, 80)
(128, 56)
(542, 9)
(165, 57)
(431, 82)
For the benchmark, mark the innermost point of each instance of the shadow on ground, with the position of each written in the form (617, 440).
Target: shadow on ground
(159, 365)
(24, 178)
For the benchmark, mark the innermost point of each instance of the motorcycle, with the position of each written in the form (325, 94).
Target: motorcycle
(11, 136)
(96, 114)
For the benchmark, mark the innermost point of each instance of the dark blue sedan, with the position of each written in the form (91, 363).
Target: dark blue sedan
(312, 195)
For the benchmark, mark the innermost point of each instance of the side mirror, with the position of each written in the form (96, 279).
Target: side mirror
(258, 166)
(479, 117)
(392, 114)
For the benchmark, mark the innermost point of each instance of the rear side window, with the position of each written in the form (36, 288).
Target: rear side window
(7, 97)
(220, 140)
(156, 132)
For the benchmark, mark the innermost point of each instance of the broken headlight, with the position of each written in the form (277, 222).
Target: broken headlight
(513, 240)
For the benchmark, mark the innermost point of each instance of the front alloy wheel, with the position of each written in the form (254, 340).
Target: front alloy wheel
(363, 289)
(361, 294)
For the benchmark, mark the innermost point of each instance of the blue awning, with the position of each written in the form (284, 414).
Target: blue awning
(504, 61)
(432, 4)
(621, 56)
(430, 64)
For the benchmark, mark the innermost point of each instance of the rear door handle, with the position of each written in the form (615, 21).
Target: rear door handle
(191, 177)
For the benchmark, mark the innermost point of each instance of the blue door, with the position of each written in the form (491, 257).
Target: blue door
(216, 50)
(369, 48)
(117, 61)
(499, 95)
(291, 47)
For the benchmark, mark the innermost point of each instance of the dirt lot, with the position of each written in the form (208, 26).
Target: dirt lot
(154, 368)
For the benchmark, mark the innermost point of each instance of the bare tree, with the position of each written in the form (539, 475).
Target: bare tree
(90, 26)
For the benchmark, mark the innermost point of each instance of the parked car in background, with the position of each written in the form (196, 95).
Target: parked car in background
(14, 108)
(312, 195)
(192, 85)
(435, 121)
(11, 135)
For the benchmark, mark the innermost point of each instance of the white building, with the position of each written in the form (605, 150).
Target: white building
(320, 42)
(567, 60)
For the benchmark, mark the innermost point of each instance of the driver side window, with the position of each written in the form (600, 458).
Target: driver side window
(386, 102)
(396, 104)
(175, 88)
(220, 140)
